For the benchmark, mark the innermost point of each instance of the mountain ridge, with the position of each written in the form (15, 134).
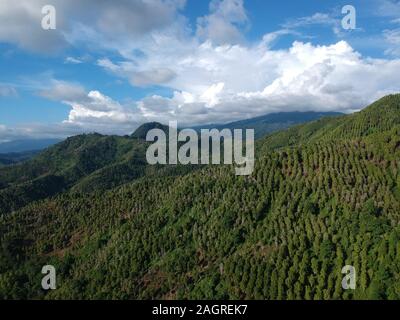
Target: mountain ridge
(272, 122)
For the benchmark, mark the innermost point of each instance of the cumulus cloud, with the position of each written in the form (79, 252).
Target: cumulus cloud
(92, 109)
(223, 83)
(136, 17)
(98, 108)
(231, 82)
(213, 75)
(153, 77)
(222, 25)
(90, 112)
(139, 74)
(20, 21)
(63, 91)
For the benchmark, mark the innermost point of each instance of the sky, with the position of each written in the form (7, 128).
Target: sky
(109, 66)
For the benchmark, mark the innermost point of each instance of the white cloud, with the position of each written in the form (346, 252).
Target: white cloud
(101, 113)
(316, 18)
(322, 19)
(269, 38)
(72, 60)
(224, 83)
(20, 21)
(90, 112)
(212, 74)
(392, 38)
(222, 25)
(152, 77)
(139, 75)
(63, 91)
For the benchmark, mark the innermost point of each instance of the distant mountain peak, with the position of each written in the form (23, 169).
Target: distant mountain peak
(141, 132)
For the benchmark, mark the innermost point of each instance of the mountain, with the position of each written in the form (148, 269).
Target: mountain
(26, 145)
(323, 195)
(84, 163)
(141, 132)
(273, 122)
(93, 162)
(16, 157)
(262, 125)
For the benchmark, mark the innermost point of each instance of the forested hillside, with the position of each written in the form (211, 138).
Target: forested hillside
(82, 163)
(16, 157)
(323, 195)
(91, 162)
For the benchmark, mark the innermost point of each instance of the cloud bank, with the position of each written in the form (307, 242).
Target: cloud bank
(213, 73)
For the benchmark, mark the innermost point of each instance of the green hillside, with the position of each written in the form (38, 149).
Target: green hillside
(382, 115)
(94, 162)
(82, 163)
(7, 159)
(323, 195)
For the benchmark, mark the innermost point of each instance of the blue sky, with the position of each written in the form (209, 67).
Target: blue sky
(111, 65)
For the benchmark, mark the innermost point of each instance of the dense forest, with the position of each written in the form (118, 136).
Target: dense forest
(323, 195)
(7, 159)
